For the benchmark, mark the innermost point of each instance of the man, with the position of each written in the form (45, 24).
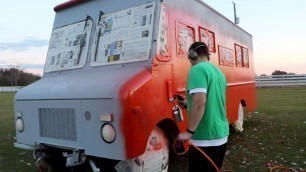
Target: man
(207, 126)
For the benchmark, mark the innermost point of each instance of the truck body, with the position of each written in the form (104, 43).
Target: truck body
(112, 71)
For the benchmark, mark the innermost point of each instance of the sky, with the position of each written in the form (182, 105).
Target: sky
(278, 29)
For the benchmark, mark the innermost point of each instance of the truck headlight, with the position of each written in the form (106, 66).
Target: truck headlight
(19, 125)
(108, 133)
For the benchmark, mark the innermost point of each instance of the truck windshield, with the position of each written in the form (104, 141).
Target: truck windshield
(68, 46)
(124, 36)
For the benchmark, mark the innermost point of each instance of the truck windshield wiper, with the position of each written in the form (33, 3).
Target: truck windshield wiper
(83, 39)
(98, 37)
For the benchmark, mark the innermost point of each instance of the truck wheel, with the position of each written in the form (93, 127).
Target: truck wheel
(238, 125)
(155, 157)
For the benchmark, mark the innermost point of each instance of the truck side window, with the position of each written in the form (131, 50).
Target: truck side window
(245, 54)
(226, 56)
(208, 37)
(238, 55)
(163, 44)
(185, 36)
(242, 56)
(68, 46)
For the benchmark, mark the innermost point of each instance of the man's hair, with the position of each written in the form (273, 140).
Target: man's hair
(202, 49)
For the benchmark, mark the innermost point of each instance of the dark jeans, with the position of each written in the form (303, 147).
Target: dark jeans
(199, 163)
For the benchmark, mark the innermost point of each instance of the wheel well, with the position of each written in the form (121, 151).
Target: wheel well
(243, 102)
(170, 129)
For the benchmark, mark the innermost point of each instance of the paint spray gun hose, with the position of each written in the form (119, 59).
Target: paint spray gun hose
(203, 153)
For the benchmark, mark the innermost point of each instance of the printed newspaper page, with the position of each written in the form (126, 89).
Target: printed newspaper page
(124, 36)
(68, 47)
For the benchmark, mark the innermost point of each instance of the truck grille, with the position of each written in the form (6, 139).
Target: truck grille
(57, 123)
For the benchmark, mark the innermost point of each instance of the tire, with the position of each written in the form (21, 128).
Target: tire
(154, 159)
(238, 125)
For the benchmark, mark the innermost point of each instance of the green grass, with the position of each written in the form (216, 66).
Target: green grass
(274, 133)
(11, 159)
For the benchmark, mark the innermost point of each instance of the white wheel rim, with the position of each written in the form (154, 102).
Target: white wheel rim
(239, 123)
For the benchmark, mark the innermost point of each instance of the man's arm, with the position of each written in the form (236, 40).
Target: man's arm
(197, 110)
(196, 114)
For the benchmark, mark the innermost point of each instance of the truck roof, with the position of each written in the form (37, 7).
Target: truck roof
(71, 3)
(68, 4)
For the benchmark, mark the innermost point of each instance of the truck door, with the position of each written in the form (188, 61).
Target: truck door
(184, 36)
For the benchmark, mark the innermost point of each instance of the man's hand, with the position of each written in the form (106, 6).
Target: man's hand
(182, 101)
(183, 104)
(183, 137)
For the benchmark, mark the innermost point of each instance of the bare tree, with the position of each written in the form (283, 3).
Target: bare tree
(16, 71)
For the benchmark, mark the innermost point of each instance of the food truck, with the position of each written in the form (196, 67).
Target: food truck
(113, 69)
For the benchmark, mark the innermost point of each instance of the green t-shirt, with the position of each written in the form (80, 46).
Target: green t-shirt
(214, 123)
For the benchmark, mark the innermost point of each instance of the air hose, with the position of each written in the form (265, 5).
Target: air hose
(282, 168)
(186, 150)
(187, 143)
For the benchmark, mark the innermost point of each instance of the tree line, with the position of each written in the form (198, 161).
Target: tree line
(16, 76)
(279, 72)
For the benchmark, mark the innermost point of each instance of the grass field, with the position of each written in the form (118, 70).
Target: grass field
(274, 134)
(11, 159)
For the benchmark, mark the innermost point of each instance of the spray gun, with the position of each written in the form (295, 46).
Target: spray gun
(181, 99)
(177, 112)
